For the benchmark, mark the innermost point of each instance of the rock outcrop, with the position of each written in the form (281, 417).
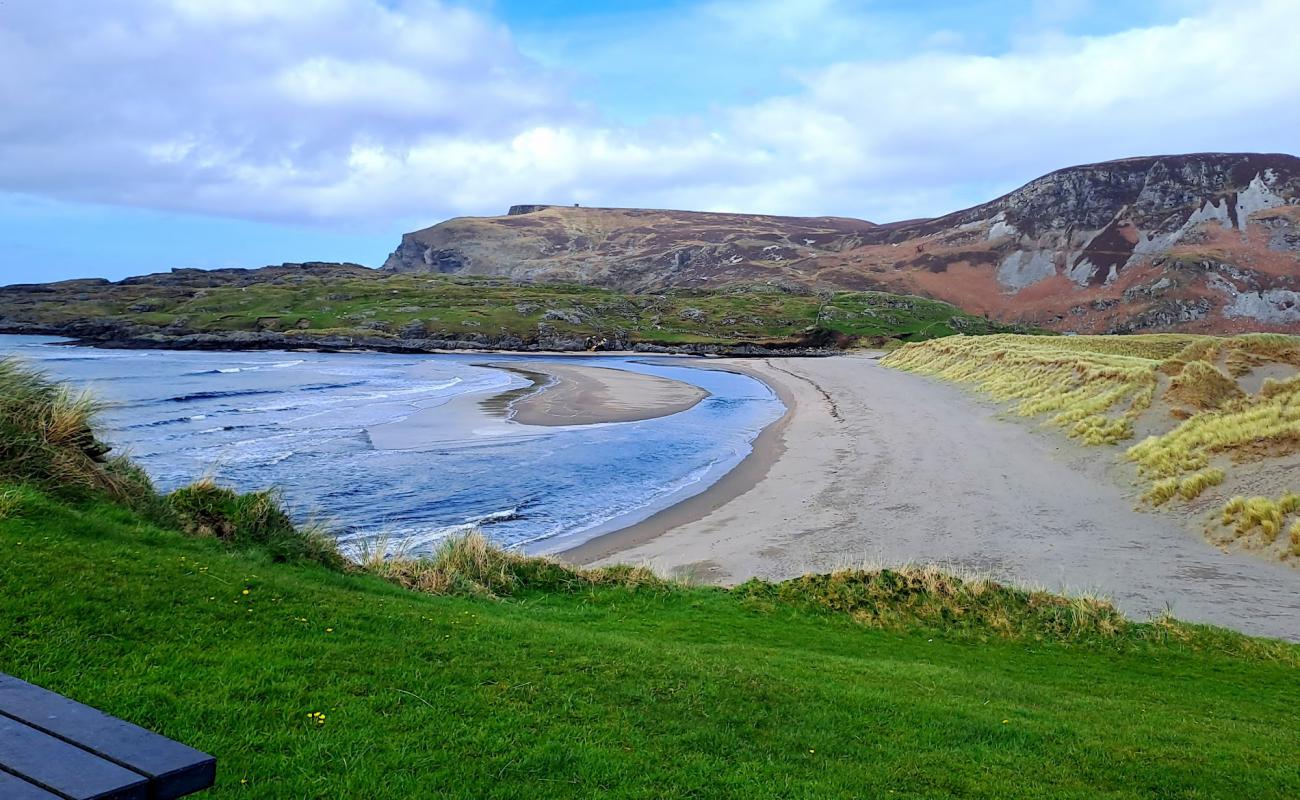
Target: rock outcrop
(1205, 242)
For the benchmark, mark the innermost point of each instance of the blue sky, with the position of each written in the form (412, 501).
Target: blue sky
(130, 142)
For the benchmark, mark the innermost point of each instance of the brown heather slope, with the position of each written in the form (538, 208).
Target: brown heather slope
(1204, 242)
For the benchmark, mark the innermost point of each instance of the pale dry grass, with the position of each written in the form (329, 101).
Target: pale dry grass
(1097, 387)
(1260, 514)
(1201, 386)
(1093, 387)
(10, 501)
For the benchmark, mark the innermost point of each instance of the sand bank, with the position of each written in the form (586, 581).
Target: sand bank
(558, 394)
(570, 394)
(879, 466)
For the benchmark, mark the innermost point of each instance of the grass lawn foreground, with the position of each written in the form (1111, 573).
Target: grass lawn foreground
(608, 692)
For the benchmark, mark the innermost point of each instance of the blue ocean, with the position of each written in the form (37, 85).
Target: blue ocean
(304, 423)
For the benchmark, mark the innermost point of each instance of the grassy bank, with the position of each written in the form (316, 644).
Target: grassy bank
(1213, 411)
(337, 301)
(653, 691)
(210, 617)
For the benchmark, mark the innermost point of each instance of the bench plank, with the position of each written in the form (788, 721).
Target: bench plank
(64, 768)
(174, 769)
(12, 788)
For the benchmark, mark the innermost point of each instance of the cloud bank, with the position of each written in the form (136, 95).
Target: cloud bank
(356, 112)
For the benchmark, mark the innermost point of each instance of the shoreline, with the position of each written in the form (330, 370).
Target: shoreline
(246, 341)
(766, 449)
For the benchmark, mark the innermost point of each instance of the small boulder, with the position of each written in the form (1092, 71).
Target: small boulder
(415, 329)
(568, 315)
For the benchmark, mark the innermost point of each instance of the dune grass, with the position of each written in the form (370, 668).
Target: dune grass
(1097, 388)
(47, 438)
(48, 441)
(1094, 387)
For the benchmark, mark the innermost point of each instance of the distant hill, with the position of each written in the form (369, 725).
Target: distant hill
(1203, 242)
(347, 306)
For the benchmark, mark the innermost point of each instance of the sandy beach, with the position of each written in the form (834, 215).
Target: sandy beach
(569, 394)
(871, 466)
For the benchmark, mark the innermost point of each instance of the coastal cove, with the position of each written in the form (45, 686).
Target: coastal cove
(712, 470)
(541, 452)
(874, 467)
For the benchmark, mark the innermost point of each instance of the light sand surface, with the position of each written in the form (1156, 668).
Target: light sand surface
(559, 394)
(880, 466)
(569, 394)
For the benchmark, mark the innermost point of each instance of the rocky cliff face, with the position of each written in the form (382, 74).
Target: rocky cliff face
(1194, 242)
(624, 248)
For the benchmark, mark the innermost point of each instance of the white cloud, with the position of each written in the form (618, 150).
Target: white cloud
(361, 112)
(236, 107)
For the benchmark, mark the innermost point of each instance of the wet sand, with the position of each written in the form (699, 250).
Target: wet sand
(569, 394)
(875, 466)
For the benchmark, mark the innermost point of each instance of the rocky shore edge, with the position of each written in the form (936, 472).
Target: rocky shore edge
(126, 336)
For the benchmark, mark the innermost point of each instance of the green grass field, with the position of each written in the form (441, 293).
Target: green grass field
(611, 692)
(380, 304)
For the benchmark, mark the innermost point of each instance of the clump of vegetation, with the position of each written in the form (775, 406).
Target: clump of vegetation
(47, 438)
(1162, 491)
(469, 565)
(1251, 350)
(1259, 426)
(1193, 486)
(925, 596)
(1261, 514)
(254, 519)
(1201, 386)
(1189, 488)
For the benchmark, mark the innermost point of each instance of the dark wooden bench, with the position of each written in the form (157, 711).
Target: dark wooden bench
(53, 748)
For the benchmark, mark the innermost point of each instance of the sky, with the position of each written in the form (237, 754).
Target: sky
(141, 135)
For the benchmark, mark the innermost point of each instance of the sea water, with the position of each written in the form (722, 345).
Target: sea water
(302, 423)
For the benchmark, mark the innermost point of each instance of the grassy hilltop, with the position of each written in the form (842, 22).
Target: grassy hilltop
(475, 673)
(306, 304)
